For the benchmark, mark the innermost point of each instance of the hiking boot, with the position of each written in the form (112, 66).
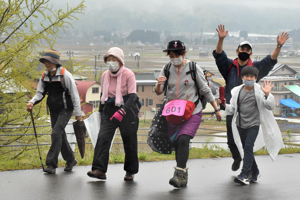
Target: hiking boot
(128, 177)
(50, 170)
(242, 179)
(180, 177)
(236, 165)
(70, 166)
(96, 173)
(253, 177)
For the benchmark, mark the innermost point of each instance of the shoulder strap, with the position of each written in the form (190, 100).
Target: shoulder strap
(167, 74)
(63, 78)
(239, 106)
(192, 66)
(43, 75)
(62, 72)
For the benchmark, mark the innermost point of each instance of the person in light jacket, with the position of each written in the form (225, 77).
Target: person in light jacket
(180, 85)
(62, 99)
(253, 123)
(230, 69)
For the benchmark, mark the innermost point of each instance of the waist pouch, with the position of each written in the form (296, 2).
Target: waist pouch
(178, 111)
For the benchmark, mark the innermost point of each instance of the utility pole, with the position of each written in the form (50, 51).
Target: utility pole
(95, 72)
(95, 69)
(137, 58)
(70, 54)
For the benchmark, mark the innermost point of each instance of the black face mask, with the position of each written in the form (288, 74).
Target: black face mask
(244, 56)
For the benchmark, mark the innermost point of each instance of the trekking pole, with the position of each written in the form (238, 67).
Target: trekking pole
(37, 142)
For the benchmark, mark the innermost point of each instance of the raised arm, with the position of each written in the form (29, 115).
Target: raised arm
(269, 101)
(280, 42)
(222, 34)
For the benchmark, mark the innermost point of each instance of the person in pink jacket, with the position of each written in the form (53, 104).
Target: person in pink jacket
(119, 108)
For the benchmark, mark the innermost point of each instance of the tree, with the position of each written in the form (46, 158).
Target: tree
(295, 34)
(181, 38)
(26, 28)
(244, 34)
(144, 36)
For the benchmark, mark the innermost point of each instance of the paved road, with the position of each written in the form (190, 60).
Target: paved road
(208, 179)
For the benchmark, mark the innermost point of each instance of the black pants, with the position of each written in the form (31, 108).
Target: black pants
(182, 150)
(59, 121)
(248, 137)
(230, 141)
(128, 128)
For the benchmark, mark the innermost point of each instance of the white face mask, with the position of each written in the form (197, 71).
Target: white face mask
(176, 61)
(113, 66)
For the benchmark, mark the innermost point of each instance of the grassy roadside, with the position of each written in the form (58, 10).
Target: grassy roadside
(30, 160)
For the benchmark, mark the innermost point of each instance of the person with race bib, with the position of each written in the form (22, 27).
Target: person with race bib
(231, 72)
(181, 87)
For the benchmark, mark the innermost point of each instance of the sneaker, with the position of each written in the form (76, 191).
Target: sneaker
(97, 173)
(128, 177)
(70, 166)
(50, 170)
(242, 179)
(236, 165)
(253, 178)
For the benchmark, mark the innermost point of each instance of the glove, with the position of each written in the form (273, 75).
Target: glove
(118, 116)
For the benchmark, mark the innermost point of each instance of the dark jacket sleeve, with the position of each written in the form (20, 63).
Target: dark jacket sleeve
(101, 105)
(264, 66)
(222, 62)
(130, 102)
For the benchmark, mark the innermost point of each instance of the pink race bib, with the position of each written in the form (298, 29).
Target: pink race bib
(175, 107)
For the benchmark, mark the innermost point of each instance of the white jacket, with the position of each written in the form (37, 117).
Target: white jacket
(269, 133)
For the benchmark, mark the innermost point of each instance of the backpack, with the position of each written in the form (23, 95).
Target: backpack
(192, 66)
(63, 85)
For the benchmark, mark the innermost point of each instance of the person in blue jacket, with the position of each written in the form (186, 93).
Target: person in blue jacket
(231, 72)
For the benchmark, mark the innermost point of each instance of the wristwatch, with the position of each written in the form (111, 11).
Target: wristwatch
(217, 110)
(279, 46)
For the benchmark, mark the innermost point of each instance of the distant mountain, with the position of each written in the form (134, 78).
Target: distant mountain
(268, 17)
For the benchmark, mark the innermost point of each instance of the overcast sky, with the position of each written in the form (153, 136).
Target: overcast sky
(91, 4)
(276, 15)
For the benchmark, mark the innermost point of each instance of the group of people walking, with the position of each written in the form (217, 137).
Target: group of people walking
(250, 122)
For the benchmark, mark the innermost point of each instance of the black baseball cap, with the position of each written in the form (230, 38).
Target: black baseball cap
(175, 45)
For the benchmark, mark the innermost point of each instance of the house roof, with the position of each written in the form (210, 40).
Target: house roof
(145, 76)
(11, 87)
(294, 89)
(280, 78)
(278, 67)
(83, 87)
(78, 77)
(146, 82)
